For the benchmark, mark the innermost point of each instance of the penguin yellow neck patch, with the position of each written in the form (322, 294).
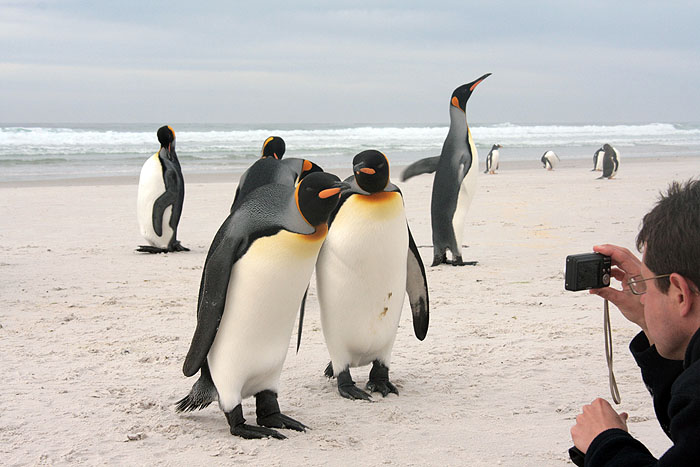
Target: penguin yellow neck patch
(455, 102)
(381, 197)
(320, 234)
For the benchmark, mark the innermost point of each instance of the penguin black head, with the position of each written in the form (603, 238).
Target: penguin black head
(371, 169)
(166, 136)
(308, 167)
(317, 195)
(496, 146)
(273, 147)
(461, 95)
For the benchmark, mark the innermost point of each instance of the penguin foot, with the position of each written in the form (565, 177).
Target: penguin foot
(384, 388)
(379, 380)
(268, 413)
(280, 420)
(151, 249)
(255, 432)
(439, 259)
(177, 246)
(457, 261)
(347, 388)
(239, 428)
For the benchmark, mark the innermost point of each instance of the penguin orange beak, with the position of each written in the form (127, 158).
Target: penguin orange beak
(476, 83)
(368, 171)
(328, 193)
(274, 154)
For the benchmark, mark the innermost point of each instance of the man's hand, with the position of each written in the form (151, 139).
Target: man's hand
(595, 419)
(626, 265)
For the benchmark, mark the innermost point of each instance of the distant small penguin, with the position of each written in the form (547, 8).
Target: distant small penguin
(270, 168)
(492, 159)
(611, 161)
(549, 160)
(598, 160)
(161, 195)
(366, 265)
(256, 273)
(454, 184)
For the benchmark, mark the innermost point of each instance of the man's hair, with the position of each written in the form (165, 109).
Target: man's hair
(670, 234)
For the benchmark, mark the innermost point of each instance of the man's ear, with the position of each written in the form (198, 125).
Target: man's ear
(682, 292)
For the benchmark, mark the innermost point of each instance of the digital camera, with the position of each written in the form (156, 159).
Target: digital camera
(587, 271)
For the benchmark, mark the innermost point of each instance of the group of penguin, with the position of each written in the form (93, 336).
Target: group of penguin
(606, 160)
(289, 218)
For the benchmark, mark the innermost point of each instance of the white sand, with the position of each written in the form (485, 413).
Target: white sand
(94, 335)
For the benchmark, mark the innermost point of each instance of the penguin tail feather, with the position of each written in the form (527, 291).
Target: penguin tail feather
(328, 372)
(422, 166)
(202, 394)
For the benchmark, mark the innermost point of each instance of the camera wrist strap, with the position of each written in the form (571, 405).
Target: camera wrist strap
(607, 330)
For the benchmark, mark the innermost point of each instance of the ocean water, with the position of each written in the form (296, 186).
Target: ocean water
(43, 152)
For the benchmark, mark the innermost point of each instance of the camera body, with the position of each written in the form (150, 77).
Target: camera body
(587, 271)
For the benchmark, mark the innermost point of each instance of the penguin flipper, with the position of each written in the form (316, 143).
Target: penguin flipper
(213, 289)
(235, 198)
(417, 289)
(161, 203)
(301, 318)
(422, 166)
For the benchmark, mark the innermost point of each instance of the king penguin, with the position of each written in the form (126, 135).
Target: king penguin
(160, 197)
(598, 160)
(549, 160)
(255, 275)
(492, 159)
(366, 265)
(270, 168)
(611, 161)
(455, 179)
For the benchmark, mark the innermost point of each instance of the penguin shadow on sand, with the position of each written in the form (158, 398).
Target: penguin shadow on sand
(161, 194)
(368, 263)
(454, 183)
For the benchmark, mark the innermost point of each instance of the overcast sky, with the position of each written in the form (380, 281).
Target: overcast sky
(348, 62)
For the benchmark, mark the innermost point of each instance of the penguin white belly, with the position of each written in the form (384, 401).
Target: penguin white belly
(361, 278)
(151, 186)
(263, 296)
(599, 161)
(464, 199)
(494, 160)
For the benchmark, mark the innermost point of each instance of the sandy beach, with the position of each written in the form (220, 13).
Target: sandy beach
(93, 334)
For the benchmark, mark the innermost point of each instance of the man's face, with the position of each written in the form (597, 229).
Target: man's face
(661, 319)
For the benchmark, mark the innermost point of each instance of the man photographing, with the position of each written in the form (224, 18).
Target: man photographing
(659, 294)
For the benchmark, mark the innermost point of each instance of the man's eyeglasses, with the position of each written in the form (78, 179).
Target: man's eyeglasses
(638, 284)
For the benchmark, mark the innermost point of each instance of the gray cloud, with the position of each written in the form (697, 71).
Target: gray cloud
(354, 62)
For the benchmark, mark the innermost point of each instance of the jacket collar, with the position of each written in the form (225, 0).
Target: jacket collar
(692, 353)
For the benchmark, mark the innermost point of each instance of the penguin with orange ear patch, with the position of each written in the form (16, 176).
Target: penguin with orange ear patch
(243, 323)
(454, 184)
(367, 264)
(271, 168)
